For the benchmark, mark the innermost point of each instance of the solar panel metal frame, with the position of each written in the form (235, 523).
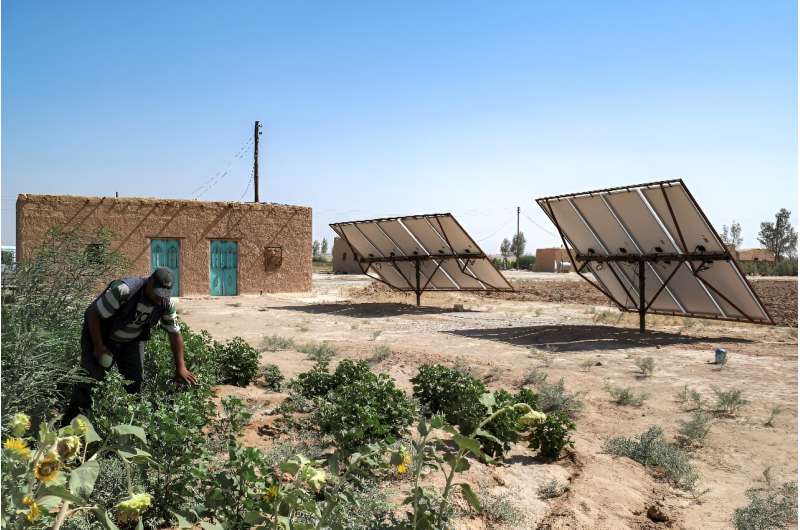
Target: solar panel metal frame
(464, 261)
(697, 260)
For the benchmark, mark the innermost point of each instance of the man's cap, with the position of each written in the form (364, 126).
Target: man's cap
(162, 280)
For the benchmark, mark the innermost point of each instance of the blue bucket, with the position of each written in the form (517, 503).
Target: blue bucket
(720, 356)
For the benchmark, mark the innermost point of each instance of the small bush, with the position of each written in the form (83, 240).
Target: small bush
(773, 413)
(365, 409)
(552, 435)
(646, 366)
(690, 399)
(729, 401)
(275, 343)
(238, 362)
(768, 509)
(694, 431)
(318, 352)
(272, 377)
(501, 508)
(553, 399)
(534, 378)
(380, 354)
(505, 428)
(315, 383)
(452, 393)
(551, 489)
(625, 396)
(650, 449)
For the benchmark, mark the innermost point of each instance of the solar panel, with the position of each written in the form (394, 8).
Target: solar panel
(421, 253)
(650, 248)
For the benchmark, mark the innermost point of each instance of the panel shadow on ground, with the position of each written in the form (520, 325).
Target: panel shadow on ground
(367, 310)
(575, 338)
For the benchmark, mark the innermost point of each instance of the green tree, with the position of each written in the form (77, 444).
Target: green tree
(732, 235)
(518, 245)
(324, 247)
(8, 257)
(315, 249)
(505, 250)
(779, 237)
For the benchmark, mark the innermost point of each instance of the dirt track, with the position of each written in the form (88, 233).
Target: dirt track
(501, 340)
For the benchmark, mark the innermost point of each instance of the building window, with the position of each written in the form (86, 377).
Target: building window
(273, 258)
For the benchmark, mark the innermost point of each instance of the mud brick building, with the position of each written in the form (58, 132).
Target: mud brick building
(217, 248)
(549, 260)
(344, 262)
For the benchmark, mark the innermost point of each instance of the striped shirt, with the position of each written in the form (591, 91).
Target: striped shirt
(117, 294)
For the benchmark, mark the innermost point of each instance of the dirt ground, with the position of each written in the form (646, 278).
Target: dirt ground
(502, 338)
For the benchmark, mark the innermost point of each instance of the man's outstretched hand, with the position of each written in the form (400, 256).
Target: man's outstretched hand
(183, 375)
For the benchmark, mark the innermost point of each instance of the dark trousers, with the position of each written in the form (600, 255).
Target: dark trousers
(129, 360)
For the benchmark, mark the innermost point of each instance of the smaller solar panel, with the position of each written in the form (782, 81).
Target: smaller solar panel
(421, 253)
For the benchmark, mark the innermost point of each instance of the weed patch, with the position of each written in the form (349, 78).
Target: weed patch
(625, 396)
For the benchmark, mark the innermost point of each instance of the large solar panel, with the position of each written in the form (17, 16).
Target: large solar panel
(650, 248)
(421, 253)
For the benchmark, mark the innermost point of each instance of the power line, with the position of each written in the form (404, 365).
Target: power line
(250, 181)
(511, 220)
(540, 227)
(219, 175)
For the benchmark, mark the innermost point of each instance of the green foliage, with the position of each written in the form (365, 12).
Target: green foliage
(551, 436)
(505, 429)
(501, 508)
(729, 401)
(526, 262)
(534, 378)
(272, 377)
(315, 383)
(625, 396)
(364, 407)
(319, 353)
(785, 267)
(651, 449)
(646, 366)
(770, 509)
(779, 237)
(693, 433)
(690, 399)
(380, 354)
(452, 393)
(554, 399)
(551, 489)
(275, 343)
(773, 413)
(238, 361)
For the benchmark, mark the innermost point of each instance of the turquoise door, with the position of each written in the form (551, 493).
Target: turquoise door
(224, 265)
(167, 253)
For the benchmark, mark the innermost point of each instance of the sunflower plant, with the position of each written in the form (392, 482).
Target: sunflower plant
(50, 475)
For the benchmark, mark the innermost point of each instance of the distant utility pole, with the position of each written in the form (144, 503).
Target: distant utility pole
(256, 134)
(517, 222)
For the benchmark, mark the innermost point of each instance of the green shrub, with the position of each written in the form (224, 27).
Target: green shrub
(646, 366)
(505, 428)
(651, 449)
(694, 431)
(729, 401)
(551, 489)
(553, 399)
(534, 378)
(552, 436)
(272, 377)
(452, 393)
(501, 508)
(322, 352)
(238, 361)
(768, 509)
(625, 396)
(315, 383)
(380, 354)
(365, 408)
(275, 343)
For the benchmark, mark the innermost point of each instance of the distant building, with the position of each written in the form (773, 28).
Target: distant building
(755, 254)
(552, 260)
(216, 248)
(343, 260)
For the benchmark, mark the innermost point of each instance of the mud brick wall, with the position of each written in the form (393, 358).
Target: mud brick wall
(135, 221)
(547, 257)
(344, 262)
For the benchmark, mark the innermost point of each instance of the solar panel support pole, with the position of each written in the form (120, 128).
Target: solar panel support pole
(642, 306)
(416, 270)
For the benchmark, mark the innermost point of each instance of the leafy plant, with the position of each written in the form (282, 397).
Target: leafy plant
(315, 383)
(551, 489)
(690, 399)
(272, 377)
(380, 354)
(534, 378)
(364, 408)
(646, 366)
(651, 449)
(238, 361)
(452, 393)
(694, 431)
(625, 396)
(505, 429)
(551, 436)
(729, 401)
(773, 508)
(774, 411)
(553, 399)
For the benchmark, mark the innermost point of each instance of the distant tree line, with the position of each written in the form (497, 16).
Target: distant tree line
(319, 250)
(779, 237)
(516, 248)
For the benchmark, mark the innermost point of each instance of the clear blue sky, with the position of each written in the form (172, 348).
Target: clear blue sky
(375, 109)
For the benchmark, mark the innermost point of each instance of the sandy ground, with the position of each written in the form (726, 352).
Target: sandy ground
(502, 340)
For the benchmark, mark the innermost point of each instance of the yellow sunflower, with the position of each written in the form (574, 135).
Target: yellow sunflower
(402, 467)
(18, 448)
(130, 509)
(20, 424)
(46, 468)
(271, 492)
(68, 447)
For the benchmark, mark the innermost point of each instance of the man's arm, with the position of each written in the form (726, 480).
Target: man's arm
(182, 374)
(93, 319)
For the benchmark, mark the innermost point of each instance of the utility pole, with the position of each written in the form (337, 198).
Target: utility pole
(517, 222)
(256, 134)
